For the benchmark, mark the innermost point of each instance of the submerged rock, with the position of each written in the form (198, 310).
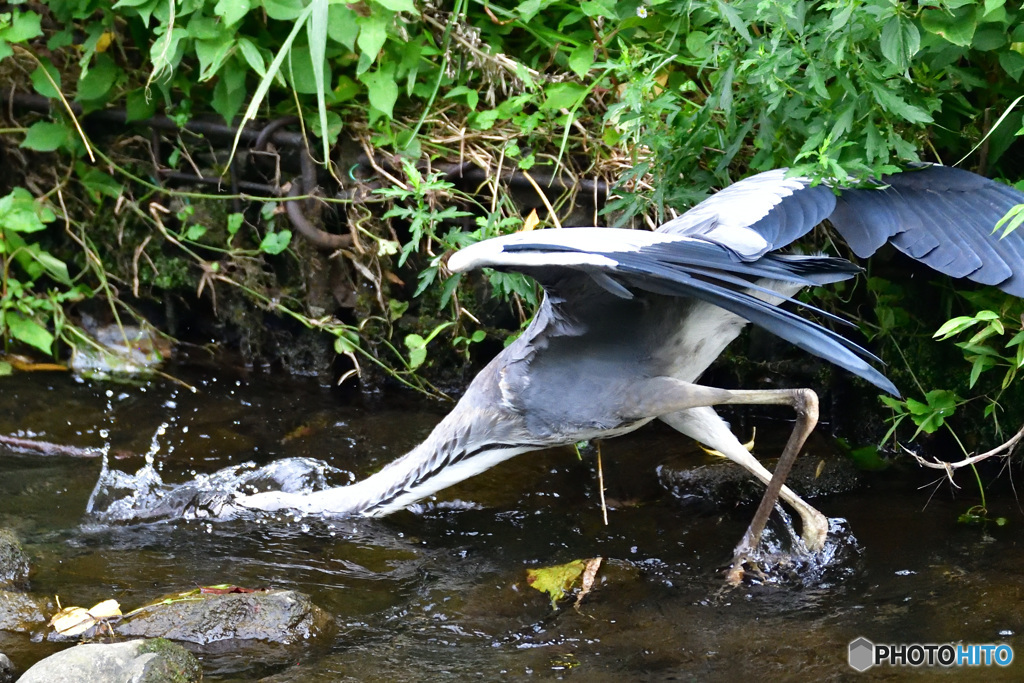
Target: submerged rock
(276, 616)
(14, 565)
(139, 661)
(6, 669)
(821, 472)
(22, 613)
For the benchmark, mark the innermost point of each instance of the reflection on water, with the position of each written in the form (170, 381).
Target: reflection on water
(441, 592)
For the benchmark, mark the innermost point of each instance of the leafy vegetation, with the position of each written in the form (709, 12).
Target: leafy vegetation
(550, 101)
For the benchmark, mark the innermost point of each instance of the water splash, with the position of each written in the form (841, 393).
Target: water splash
(121, 497)
(784, 559)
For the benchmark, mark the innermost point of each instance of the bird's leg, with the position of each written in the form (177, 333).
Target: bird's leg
(805, 403)
(705, 425)
(658, 395)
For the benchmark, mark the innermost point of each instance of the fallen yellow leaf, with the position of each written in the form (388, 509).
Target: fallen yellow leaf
(555, 581)
(531, 221)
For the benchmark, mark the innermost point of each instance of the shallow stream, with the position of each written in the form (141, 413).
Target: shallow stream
(441, 593)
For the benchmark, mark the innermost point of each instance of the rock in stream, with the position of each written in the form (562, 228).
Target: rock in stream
(139, 661)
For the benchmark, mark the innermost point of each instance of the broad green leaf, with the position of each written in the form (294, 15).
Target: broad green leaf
(5, 368)
(529, 9)
(301, 73)
(599, 8)
(212, 54)
(234, 223)
(284, 10)
(373, 32)
(555, 581)
(563, 95)
(468, 95)
(1012, 63)
(382, 88)
(97, 83)
(397, 5)
(957, 28)
(25, 25)
(138, 106)
(229, 93)
(44, 136)
(417, 346)
(20, 213)
(276, 242)
(252, 56)
(43, 85)
(97, 183)
(699, 44)
(28, 331)
(900, 41)
(54, 267)
(231, 10)
(581, 59)
(341, 25)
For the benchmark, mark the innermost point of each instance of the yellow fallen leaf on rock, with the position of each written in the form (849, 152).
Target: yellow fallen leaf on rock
(556, 581)
(73, 621)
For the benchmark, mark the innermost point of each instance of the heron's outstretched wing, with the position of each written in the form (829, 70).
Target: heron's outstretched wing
(620, 262)
(941, 216)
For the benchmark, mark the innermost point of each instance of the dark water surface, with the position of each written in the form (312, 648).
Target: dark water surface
(441, 593)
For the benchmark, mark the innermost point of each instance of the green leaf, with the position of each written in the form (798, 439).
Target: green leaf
(581, 59)
(231, 10)
(19, 212)
(599, 8)
(25, 25)
(373, 32)
(417, 346)
(954, 326)
(194, 232)
(41, 84)
(698, 44)
(900, 41)
(5, 368)
(342, 26)
(397, 5)
(555, 581)
(563, 95)
(212, 54)
(229, 93)
(284, 10)
(276, 242)
(958, 28)
(97, 83)
(54, 267)
(234, 223)
(138, 106)
(890, 101)
(28, 331)
(468, 95)
(98, 183)
(253, 56)
(44, 136)
(733, 17)
(382, 89)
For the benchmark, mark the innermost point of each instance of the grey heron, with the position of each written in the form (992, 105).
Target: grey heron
(630, 320)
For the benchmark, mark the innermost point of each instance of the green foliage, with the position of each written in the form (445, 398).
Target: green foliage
(26, 310)
(668, 97)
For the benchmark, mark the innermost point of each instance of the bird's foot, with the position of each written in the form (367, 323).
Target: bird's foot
(743, 566)
(815, 530)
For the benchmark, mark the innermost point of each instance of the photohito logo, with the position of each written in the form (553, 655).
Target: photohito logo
(864, 654)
